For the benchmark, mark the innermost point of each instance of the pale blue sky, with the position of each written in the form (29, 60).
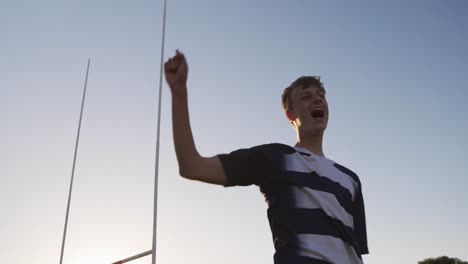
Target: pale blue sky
(396, 75)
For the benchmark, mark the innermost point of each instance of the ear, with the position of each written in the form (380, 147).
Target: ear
(290, 116)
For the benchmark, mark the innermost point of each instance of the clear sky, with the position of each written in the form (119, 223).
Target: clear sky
(396, 75)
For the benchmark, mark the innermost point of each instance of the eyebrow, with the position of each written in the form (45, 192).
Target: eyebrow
(308, 88)
(308, 91)
(303, 92)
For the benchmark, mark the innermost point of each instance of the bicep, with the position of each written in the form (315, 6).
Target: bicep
(239, 168)
(209, 170)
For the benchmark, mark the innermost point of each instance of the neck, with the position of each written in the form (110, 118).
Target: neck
(313, 143)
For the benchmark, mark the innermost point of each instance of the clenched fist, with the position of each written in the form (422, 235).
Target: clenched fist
(176, 71)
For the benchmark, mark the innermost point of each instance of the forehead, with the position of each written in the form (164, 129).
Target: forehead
(306, 89)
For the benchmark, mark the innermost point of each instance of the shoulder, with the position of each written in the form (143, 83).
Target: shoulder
(348, 171)
(274, 148)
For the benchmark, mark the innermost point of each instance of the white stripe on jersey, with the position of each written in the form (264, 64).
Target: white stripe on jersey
(327, 248)
(322, 166)
(312, 199)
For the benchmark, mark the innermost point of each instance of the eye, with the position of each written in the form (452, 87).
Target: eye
(306, 97)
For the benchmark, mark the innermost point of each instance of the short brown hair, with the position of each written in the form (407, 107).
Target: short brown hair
(303, 82)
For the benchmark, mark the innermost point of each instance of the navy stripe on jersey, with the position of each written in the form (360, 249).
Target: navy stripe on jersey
(288, 257)
(328, 248)
(288, 197)
(316, 182)
(322, 166)
(322, 225)
(348, 172)
(313, 199)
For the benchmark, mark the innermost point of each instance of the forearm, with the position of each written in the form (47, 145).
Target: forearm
(191, 164)
(186, 152)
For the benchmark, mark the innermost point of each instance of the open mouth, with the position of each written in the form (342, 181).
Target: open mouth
(318, 112)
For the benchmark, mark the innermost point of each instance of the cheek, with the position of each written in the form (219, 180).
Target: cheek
(303, 108)
(304, 113)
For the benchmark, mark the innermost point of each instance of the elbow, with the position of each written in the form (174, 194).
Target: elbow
(190, 170)
(186, 173)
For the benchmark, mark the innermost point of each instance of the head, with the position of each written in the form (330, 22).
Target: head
(305, 106)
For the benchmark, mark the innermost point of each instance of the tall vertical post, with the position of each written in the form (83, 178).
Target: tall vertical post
(74, 163)
(156, 172)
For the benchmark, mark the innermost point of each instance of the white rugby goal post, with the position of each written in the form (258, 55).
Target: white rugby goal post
(151, 252)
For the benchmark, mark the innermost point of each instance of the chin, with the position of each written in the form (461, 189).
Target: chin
(315, 131)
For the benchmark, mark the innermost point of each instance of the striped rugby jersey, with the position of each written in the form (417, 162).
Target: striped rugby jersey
(315, 206)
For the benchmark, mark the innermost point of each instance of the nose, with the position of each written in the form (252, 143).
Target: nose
(317, 100)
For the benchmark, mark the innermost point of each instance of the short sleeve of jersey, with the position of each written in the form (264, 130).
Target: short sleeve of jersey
(360, 223)
(245, 167)
(359, 217)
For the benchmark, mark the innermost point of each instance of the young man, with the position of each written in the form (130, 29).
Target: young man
(315, 205)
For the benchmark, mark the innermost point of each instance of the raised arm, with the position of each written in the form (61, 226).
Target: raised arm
(191, 164)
